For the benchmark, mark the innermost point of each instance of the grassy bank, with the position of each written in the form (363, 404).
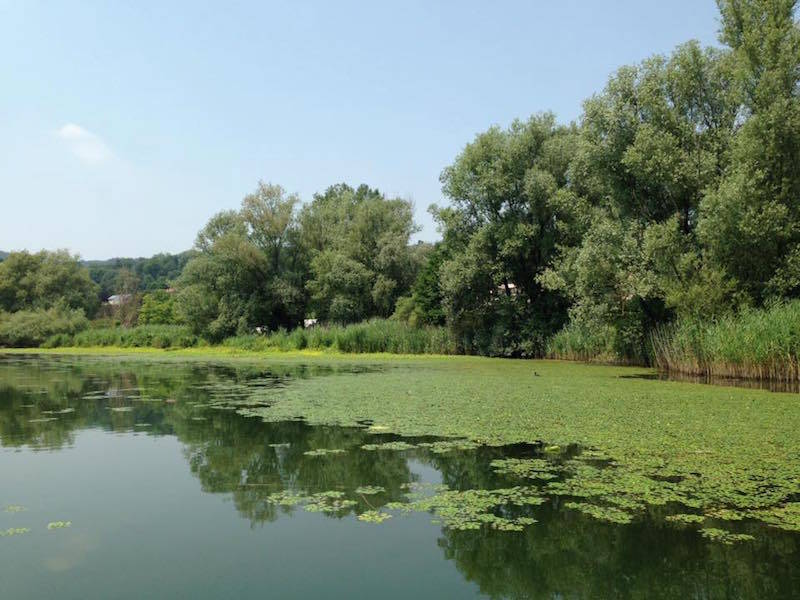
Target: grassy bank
(756, 344)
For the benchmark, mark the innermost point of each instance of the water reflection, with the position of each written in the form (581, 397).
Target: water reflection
(45, 403)
(771, 385)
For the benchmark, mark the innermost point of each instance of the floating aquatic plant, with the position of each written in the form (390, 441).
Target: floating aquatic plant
(609, 514)
(725, 537)
(448, 446)
(527, 468)
(686, 518)
(370, 490)
(14, 531)
(14, 508)
(329, 502)
(59, 525)
(286, 498)
(324, 451)
(389, 446)
(374, 516)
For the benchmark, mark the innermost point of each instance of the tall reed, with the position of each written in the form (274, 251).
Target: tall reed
(378, 335)
(755, 344)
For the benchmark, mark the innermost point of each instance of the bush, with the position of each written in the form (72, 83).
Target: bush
(30, 328)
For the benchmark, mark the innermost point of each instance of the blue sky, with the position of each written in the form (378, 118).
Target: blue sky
(125, 125)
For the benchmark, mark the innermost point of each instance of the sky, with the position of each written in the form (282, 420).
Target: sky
(125, 125)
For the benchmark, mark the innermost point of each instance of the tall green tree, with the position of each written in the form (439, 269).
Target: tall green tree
(651, 147)
(249, 269)
(509, 212)
(44, 280)
(358, 244)
(751, 222)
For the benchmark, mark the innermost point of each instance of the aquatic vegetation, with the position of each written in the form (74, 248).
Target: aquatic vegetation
(389, 446)
(725, 537)
(14, 531)
(370, 490)
(14, 508)
(785, 517)
(59, 525)
(448, 446)
(613, 443)
(374, 516)
(686, 518)
(526, 468)
(726, 514)
(120, 409)
(287, 498)
(609, 514)
(701, 446)
(471, 509)
(43, 420)
(324, 451)
(329, 502)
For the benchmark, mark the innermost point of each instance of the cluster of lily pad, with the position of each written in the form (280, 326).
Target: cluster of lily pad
(438, 447)
(15, 531)
(324, 451)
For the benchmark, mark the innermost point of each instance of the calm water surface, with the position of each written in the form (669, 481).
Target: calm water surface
(169, 496)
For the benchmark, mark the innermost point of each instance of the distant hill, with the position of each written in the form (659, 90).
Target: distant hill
(3, 255)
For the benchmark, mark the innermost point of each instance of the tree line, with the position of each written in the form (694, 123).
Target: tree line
(673, 199)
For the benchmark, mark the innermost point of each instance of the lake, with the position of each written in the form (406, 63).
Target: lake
(135, 479)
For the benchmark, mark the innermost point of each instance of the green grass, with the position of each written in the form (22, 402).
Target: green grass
(757, 344)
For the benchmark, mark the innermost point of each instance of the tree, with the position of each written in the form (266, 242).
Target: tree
(158, 307)
(507, 218)
(46, 280)
(360, 259)
(651, 147)
(249, 269)
(750, 222)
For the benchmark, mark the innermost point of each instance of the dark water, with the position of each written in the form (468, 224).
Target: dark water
(168, 497)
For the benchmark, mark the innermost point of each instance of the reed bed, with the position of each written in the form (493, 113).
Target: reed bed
(585, 344)
(379, 335)
(143, 336)
(752, 344)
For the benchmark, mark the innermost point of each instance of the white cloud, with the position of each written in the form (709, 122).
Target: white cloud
(87, 146)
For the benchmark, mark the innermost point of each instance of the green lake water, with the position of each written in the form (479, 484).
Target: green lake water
(136, 480)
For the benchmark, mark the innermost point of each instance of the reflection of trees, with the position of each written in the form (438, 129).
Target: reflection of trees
(228, 453)
(564, 555)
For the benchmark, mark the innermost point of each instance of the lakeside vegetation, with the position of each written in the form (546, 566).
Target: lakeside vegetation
(661, 228)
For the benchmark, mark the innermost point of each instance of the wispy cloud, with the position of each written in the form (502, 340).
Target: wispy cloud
(84, 144)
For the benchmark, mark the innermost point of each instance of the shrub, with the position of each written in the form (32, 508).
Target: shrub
(30, 328)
